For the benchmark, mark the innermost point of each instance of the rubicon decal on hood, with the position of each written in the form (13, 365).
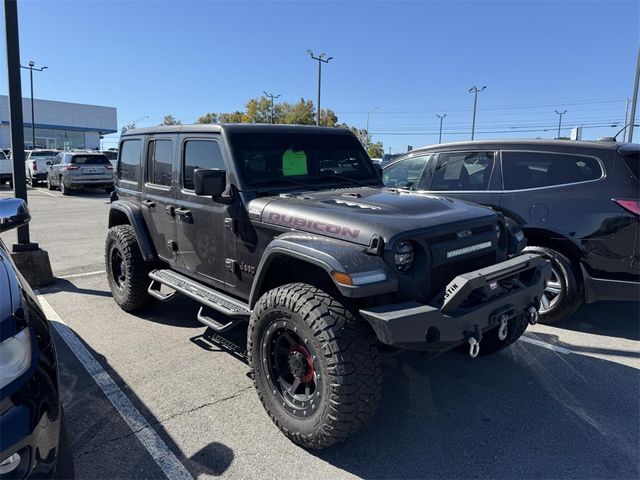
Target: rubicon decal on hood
(332, 228)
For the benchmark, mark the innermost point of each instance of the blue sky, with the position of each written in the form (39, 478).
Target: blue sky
(409, 59)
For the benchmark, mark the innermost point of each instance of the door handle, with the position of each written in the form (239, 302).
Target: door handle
(148, 203)
(184, 215)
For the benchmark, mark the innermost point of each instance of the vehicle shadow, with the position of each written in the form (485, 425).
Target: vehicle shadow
(613, 319)
(524, 413)
(64, 285)
(104, 446)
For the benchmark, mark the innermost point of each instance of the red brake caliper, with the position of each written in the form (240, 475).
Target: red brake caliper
(308, 376)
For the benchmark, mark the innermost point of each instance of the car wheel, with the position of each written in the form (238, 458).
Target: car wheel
(64, 464)
(563, 292)
(30, 179)
(315, 365)
(63, 187)
(127, 272)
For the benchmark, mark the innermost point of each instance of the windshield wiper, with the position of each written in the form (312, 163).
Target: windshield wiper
(330, 174)
(274, 181)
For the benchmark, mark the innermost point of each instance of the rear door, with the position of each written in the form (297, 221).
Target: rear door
(158, 194)
(206, 246)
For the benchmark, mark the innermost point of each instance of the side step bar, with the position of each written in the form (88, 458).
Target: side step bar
(208, 297)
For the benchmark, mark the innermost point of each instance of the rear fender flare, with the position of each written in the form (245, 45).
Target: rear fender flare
(135, 219)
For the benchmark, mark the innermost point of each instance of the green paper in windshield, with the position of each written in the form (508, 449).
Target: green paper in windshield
(294, 163)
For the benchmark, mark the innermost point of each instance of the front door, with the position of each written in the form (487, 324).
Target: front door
(206, 247)
(159, 195)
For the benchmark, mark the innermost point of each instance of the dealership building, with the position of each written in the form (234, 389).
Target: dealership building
(61, 125)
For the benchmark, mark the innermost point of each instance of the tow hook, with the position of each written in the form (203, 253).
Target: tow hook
(502, 331)
(474, 342)
(532, 315)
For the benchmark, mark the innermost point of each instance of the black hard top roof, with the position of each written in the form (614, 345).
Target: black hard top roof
(237, 127)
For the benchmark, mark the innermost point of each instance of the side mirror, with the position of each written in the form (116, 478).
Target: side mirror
(14, 212)
(209, 181)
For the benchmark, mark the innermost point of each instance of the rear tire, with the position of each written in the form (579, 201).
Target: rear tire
(63, 188)
(127, 272)
(563, 292)
(300, 333)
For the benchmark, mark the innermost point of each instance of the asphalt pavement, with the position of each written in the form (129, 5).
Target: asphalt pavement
(561, 403)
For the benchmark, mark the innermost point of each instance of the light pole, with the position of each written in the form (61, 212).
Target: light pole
(441, 117)
(31, 68)
(369, 113)
(560, 121)
(321, 59)
(626, 119)
(634, 99)
(272, 97)
(475, 91)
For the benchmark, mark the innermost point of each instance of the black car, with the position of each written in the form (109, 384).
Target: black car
(289, 228)
(576, 201)
(34, 442)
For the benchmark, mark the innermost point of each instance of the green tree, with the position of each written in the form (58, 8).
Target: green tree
(374, 150)
(301, 113)
(233, 117)
(208, 118)
(257, 110)
(170, 120)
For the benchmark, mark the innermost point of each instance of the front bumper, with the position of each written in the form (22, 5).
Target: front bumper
(472, 304)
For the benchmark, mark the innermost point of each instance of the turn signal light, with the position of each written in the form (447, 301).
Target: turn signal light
(342, 278)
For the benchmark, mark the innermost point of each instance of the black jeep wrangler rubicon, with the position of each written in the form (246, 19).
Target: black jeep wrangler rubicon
(290, 229)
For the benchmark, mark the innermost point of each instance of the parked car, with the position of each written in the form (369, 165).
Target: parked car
(34, 441)
(289, 229)
(36, 165)
(576, 201)
(6, 170)
(112, 155)
(77, 170)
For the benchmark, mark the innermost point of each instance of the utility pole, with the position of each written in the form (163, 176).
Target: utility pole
(441, 117)
(369, 113)
(272, 97)
(560, 121)
(321, 59)
(31, 68)
(475, 91)
(626, 119)
(634, 100)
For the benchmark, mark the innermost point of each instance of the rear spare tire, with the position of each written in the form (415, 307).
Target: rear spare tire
(314, 364)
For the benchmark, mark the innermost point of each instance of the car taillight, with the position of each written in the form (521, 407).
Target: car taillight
(109, 167)
(632, 206)
(71, 167)
(34, 165)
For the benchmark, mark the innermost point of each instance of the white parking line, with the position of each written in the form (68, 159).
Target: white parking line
(85, 274)
(546, 345)
(43, 191)
(159, 450)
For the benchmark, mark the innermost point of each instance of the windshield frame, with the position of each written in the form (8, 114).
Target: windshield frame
(316, 181)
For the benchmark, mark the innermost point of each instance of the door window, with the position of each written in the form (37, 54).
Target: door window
(405, 174)
(523, 170)
(200, 154)
(463, 171)
(130, 155)
(159, 162)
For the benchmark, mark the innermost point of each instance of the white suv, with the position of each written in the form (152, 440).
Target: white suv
(6, 170)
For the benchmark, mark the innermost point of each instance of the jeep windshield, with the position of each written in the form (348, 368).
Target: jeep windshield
(267, 159)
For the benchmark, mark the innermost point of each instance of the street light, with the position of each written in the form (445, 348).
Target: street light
(321, 59)
(272, 97)
(475, 91)
(369, 113)
(441, 117)
(31, 68)
(560, 121)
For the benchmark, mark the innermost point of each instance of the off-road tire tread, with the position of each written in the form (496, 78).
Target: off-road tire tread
(136, 296)
(351, 352)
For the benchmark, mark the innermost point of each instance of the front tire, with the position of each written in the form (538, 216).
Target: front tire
(314, 364)
(127, 272)
(563, 292)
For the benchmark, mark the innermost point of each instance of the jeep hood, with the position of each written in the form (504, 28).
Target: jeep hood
(358, 214)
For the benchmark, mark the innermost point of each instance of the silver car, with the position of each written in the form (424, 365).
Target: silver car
(76, 170)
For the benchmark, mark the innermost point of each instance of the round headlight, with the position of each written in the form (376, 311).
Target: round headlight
(404, 255)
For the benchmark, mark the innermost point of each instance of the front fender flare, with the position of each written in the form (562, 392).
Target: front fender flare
(134, 216)
(329, 254)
